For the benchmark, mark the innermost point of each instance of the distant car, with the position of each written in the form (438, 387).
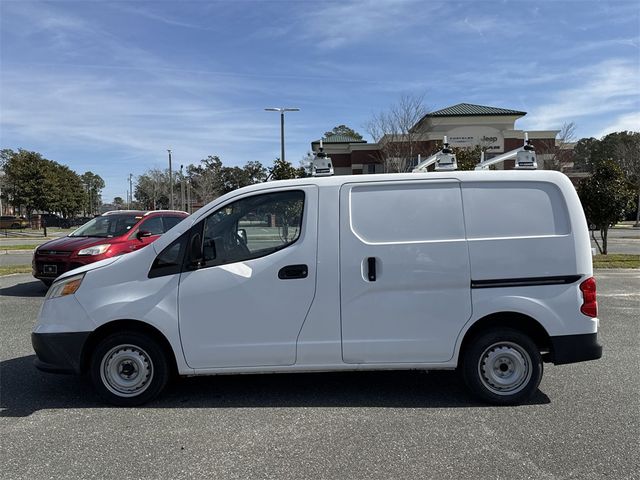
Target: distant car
(11, 221)
(53, 220)
(109, 235)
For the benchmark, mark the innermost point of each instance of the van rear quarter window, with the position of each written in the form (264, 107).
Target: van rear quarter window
(415, 212)
(514, 209)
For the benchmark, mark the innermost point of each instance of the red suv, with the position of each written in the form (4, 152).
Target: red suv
(111, 234)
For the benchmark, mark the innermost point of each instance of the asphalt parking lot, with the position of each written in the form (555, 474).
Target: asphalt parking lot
(583, 424)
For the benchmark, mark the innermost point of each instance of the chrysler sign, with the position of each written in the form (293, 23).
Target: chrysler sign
(468, 137)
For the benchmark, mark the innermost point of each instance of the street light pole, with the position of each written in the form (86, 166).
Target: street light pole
(170, 182)
(181, 188)
(189, 198)
(282, 110)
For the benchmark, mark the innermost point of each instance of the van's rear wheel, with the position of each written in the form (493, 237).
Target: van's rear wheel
(502, 366)
(128, 369)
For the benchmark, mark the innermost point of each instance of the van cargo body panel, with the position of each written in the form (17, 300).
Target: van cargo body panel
(555, 307)
(502, 258)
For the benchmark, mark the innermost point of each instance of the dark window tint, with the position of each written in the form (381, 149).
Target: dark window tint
(152, 225)
(170, 222)
(252, 227)
(169, 261)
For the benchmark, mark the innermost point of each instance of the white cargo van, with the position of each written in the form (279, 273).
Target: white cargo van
(488, 272)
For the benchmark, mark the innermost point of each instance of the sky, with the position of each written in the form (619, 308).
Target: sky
(109, 86)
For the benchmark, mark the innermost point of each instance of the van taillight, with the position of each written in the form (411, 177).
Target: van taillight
(589, 304)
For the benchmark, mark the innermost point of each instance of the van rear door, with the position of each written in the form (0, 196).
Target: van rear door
(404, 271)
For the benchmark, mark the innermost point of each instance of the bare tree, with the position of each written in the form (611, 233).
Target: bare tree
(394, 131)
(152, 189)
(558, 149)
(205, 179)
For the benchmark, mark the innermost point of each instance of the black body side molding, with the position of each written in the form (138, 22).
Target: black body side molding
(525, 282)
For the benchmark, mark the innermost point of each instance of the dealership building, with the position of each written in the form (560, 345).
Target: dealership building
(465, 125)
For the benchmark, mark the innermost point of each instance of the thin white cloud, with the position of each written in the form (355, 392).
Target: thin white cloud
(625, 122)
(153, 14)
(340, 24)
(594, 45)
(86, 110)
(609, 87)
(479, 24)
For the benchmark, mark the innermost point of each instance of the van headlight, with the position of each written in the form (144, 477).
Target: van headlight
(95, 250)
(68, 286)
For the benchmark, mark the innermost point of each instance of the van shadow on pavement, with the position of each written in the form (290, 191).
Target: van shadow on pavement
(29, 289)
(25, 390)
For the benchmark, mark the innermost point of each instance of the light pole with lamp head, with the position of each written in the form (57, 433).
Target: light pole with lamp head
(282, 110)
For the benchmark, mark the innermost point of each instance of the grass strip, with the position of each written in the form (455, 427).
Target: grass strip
(17, 247)
(616, 260)
(11, 269)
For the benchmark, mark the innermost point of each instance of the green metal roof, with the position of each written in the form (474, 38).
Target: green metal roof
(340, 139)
(471, 110)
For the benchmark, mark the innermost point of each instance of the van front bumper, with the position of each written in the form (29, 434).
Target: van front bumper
(59, 352)
(575, 348)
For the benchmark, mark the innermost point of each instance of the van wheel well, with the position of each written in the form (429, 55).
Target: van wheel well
(132, 326)
(516, 321)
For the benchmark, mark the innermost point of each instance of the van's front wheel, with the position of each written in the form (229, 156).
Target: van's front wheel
(128, 369)
(502, 366)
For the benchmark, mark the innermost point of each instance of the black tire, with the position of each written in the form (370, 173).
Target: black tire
(47, 283)
(128, 369)
(502, 366)
(15, 225)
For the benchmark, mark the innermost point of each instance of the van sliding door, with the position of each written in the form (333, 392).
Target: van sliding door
(404, 271)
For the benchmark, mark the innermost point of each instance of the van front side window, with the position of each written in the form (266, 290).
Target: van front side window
(252, 227)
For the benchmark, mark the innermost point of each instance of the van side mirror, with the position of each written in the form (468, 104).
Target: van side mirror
(195, 250)
(242, 233)
(142, 234)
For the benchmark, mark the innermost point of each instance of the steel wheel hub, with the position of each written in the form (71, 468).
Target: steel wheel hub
(126, 370)
(505, 368)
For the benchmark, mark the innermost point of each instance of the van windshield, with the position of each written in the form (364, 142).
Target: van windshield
(107, 227)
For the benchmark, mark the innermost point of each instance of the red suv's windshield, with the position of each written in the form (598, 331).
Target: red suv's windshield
(107, 227)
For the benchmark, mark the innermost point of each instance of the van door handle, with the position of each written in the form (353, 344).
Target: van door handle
(371, 269)
(291, 272)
